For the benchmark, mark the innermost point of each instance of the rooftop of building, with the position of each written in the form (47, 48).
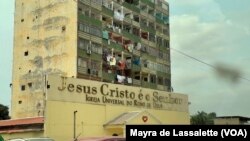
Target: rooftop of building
(230, 117)
(21, 125)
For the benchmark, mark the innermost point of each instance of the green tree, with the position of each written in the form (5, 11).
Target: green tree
(1, 138)
(203, 118)
(4, 112)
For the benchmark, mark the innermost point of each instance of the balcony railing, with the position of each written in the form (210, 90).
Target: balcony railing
(148, 56)
(136, 67)
(159, 21)
(137, 82)
(149, 85)
(107, 11)
(162, 74)
(162, 48)
(149, 3)
(90, 20)
(148, 29)
(131, 7)
(130, 36)
(82, 53)
(82, 70)
(108, 76)
(96, 56)
(116, 46)
(85, 2)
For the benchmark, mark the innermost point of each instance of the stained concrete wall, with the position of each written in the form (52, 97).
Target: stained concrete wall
(45, 42)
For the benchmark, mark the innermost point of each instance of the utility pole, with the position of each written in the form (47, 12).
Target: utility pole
(74, 125)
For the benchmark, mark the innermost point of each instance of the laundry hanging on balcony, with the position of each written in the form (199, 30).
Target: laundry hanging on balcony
(120, 78)
(129, 80)
(105, 35)
(118, 15)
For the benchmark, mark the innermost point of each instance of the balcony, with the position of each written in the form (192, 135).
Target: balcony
(162, 74)
(162, 48)
(136, 67)
(116, 46)
(135, 23)
(90, 20)
(105, 42)
(161, 87)
(96, 4)
(136, 52)
(148, 57)
(159, 21)
(144, 13)
(131, 7)
(82, 70)
(130, 36)
(161, 61)
(146, 70)
(136, 82)
(108, 76)
(148, 29)
(144, 41)
(87, 2)
(127, 20)
(82, 53)
(149, 85)
(151, 43)
(96, 56)
(107, 11)
(149, 3)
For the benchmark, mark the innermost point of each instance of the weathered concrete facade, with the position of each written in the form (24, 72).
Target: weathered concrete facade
(45, 42)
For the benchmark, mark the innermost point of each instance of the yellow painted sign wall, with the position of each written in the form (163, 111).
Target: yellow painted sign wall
(98, 103)
(93, 92)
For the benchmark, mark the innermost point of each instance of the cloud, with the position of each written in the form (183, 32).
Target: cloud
(201, 29)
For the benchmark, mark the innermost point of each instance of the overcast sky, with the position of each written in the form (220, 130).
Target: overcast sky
(214, 31)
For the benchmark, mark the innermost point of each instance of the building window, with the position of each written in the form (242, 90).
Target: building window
(166, 43)
(30, 85)
(82, 65)
(26, 53)
(90, 29)
(82, 62)
(84, 44)
(94, 67)
(152, 51)
(95, 31)
(96, 48)
(160, 81)
(83, 27)
(152, 79)
(151, 37)
(84, 9)
(63, 28)
(167, 82)
(19, 102)
(23, 87)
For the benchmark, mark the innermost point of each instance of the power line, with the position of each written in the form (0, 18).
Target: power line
(207, 64)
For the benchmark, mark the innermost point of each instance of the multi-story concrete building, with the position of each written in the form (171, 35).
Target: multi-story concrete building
(125, 42)
(68, 52)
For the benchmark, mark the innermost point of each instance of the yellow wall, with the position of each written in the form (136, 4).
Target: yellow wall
(23, 135)
(90, 118)
(64, 97)
(50, 50)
